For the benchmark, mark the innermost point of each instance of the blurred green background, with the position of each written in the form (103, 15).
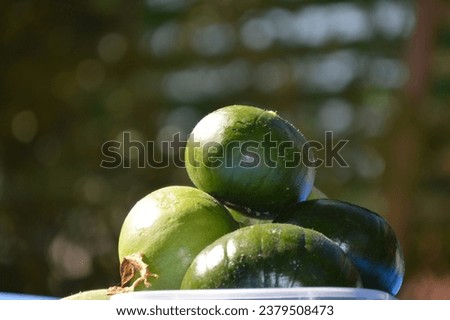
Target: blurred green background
(75, 74)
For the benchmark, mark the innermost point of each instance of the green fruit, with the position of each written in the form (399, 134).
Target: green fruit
(365, 236)
(249, 158)
(164, 232)
(271, 255)
(244, 220)
(98, 294)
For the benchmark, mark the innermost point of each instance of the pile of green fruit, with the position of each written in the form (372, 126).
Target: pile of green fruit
(253, 220)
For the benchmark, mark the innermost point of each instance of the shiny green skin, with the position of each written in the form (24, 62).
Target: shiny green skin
(271, 256)
(97, 294)
(228, 157)
(365, 236)
(170, 226)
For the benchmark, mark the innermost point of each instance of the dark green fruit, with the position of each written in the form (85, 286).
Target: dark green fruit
(97, 294)
(268, 256)
(245, 220)
(164, 232)
(249, 158)
(365, 236)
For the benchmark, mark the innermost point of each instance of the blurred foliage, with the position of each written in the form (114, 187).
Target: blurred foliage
(76, 74)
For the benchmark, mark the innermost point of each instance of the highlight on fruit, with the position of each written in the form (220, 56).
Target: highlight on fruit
(260, 190)
(163, 233)
(365, 236)
(271, 256)
(252, 218)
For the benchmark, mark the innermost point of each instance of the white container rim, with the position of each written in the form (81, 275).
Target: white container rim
(303, 293)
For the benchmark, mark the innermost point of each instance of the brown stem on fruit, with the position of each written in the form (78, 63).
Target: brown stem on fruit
(130, 267)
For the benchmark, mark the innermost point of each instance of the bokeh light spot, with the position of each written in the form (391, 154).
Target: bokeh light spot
(257, 34)
(70, 259)
(24, 126)
(213, 39)
(336, 115)
(112, 47)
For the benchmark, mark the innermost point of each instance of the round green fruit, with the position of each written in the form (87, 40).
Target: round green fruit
(163, 233)
(271, 256)
(249, 158)
(97, 294)
(365, 236)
